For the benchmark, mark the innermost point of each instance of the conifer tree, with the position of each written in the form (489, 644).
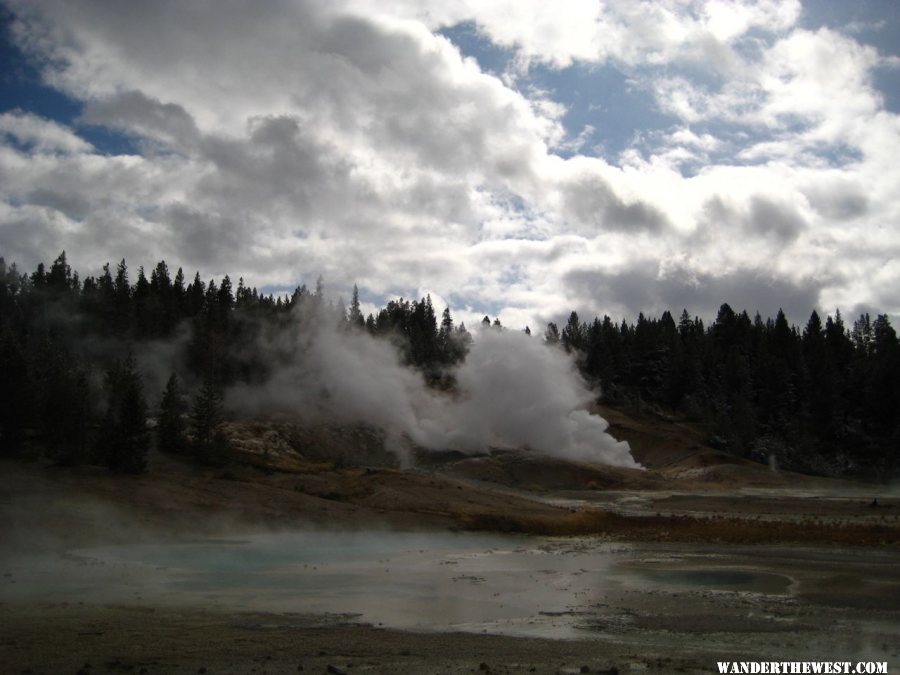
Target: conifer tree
(195, 296)
(122, 299)
(573, 334)
(124, 439)
(170, 425)
(551, 335)
(145, 326)
(355, 316)
(15, 393)
(209, 443)
(68, 410)
(60, 277)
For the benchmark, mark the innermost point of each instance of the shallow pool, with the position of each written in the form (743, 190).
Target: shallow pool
(445, 581)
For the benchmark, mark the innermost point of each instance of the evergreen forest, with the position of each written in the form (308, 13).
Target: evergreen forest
(823, 397)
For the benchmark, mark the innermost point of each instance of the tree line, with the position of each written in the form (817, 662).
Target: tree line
(823, 399)
(72, 387)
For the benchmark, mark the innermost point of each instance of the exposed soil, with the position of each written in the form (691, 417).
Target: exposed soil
(98, 639)
(286, 477)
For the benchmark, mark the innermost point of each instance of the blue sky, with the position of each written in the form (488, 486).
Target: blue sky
(509, 158)
(22, 88)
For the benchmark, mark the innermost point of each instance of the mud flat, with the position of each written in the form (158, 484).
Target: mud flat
(288, 561)
(382, 602)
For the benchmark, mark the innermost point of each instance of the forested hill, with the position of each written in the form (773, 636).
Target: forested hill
(824, 398)
(821, 399)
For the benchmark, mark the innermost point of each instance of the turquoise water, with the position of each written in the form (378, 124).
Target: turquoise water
(421, 581)
(718, 579)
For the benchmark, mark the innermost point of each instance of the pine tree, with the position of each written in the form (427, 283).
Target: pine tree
(318, 298)
(551, 335)
(195, 296)
(124, 439)
(15, 393)
(243, 297)
(356, 317)
(573, 334)
(122, 299)
(209, 443)
(224, 302)
(170, 425)
(445, 338)
(340, 313)
(106, 301)
(39, 277)
(67, 409)
(60, 277)
(463, 339)
(145, 325)
(162, 307)
(178, 296)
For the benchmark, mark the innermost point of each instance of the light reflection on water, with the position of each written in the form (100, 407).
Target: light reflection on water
(423, 581)
(430, 581)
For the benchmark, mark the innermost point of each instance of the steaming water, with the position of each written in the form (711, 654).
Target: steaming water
(422, 581)
(404, 580)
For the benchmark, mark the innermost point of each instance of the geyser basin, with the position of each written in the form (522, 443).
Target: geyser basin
(433, 581)
(561, 588)
(719, 579)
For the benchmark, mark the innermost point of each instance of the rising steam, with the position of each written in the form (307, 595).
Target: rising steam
(512, 391)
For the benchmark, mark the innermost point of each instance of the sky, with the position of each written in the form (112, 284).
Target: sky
(515, 158)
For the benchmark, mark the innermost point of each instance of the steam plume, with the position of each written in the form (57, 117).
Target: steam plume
(512, 391)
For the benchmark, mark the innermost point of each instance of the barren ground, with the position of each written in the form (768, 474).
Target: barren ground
(693, 511)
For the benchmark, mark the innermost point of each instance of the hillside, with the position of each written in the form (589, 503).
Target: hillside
(284, 475)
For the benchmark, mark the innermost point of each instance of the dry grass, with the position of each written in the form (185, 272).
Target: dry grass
(684, 528)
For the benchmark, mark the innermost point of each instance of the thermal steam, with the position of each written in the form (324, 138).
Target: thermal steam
(511, 391)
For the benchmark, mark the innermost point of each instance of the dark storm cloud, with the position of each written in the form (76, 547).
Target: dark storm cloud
(642, 288)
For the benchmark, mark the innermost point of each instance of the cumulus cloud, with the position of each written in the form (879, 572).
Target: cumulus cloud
(655, 290)
(40, 135)
(166, 123)
(761, 216)
(353, 140)
(593, 205)
(633, 33)
(372, 131)
(837, 198)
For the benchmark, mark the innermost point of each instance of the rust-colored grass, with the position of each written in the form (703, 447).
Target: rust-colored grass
(684, 528)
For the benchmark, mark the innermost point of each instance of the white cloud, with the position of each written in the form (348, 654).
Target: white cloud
(41, 135)
(685, 136)
(819, 82)
(621, 30)
(350, 140)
